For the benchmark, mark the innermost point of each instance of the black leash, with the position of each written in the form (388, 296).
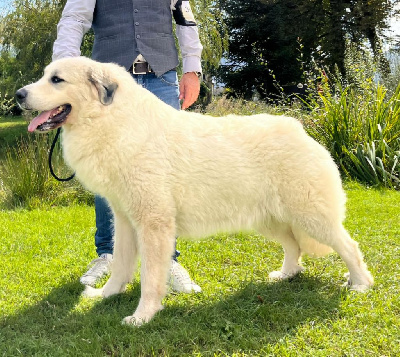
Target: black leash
(51, 154)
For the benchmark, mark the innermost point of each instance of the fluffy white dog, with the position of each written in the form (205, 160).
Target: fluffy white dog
(167, 172)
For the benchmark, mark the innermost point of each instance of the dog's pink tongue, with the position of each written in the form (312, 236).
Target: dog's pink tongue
(40, 119)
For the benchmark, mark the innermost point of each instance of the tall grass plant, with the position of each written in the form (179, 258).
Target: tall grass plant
(361, 129)
(26, 180)
(357, 119)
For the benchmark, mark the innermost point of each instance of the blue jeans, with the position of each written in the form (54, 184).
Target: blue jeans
(166, 88)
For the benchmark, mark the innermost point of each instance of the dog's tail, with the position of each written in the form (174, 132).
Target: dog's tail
(310, 245)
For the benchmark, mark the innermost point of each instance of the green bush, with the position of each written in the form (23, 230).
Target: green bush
(6, 104)
(361, 129)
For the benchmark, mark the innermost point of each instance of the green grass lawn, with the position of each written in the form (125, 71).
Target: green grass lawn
(239, 313)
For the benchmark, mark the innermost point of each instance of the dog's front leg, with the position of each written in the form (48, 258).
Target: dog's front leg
(156, 241)
(125, 255)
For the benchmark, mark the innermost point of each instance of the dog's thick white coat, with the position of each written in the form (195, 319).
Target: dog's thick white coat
(167, 172)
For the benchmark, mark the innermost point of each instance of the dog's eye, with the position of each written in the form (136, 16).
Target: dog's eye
(56, 79)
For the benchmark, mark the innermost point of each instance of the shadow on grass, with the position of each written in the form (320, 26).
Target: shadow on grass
(256, 316)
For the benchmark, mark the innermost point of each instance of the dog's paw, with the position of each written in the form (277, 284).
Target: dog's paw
(133, 321)
(369, 281)
(277, 275)
(110, 291)
(90, 292)
(359, 288)
(280, 275)
(142, 317)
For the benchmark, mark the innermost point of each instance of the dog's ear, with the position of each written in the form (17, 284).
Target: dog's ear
(105, 87)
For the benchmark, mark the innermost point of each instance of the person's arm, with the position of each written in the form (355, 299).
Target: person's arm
(191, 48)
(75, 21)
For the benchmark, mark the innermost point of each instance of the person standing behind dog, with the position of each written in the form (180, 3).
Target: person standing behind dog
(138, 35)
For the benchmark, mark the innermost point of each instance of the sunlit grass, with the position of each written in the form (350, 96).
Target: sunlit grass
(239, 312)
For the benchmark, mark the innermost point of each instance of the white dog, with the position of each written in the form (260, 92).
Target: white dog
(167, 172)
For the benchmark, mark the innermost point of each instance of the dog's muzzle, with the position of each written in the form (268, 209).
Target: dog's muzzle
(20, 96)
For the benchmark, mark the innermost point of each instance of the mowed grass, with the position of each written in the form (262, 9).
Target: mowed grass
(239, 313)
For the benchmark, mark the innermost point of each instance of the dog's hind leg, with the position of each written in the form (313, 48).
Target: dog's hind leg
(291, 262)
(125, 255)
(332, 233)
(360, 279)
(156, 242)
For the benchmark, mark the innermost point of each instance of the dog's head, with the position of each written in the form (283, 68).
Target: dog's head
(67, 87)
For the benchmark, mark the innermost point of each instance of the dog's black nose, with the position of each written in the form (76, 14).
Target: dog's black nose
(21, 94)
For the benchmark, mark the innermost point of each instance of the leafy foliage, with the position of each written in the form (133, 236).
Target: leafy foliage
(282, 38)
(361, 129)
(7, 84)
(261, 42)
(28, 35)
(212, 31)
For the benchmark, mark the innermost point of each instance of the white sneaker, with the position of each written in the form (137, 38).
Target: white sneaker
(180, 281)
(98, 268)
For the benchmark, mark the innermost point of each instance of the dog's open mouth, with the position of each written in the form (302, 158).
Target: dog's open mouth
(50, 119)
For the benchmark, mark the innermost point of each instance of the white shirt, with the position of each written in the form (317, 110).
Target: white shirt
(77, 18)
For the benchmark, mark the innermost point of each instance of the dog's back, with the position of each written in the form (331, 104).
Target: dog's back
(241, 171)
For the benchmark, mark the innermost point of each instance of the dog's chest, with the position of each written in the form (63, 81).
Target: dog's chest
(92, 166)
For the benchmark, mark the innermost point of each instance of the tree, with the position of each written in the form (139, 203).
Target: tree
(263, 46)
(26, 38)
(282, 38)
(214, 37)
(28, 35)
(369, 19)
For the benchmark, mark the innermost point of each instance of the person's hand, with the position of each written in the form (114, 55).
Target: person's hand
(189, 89)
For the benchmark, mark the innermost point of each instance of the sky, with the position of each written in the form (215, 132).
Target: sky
(4, 4)
(394, 24)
